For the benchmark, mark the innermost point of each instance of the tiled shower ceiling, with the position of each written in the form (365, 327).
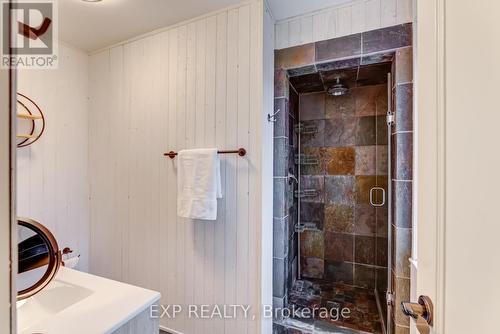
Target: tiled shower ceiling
(321, 77)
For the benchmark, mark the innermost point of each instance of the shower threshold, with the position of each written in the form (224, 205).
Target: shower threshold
(363, 316)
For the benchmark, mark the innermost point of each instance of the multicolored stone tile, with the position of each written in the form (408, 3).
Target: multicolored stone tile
(364, 276)
(364, 249)
(339, 272)
(371, 100)
(341, 47)
(280, 83)
(382, 221)
(366, 131)
(340, 189)
(340, 107)
(404, 107)
(312, 168)
(402, 293)
(362, 317)
(404, 65)
(402, 251)
(340, 133)
(314, 186)
(312, 106)
(339, 218)
(381, 252)
(315, 138)
(387, 38)
(364, 184)
(402, 208)
(403, 156)
(294, 57)
(340, 161)
(312, 213)
(312, 244)
(339, 247)
(365, 219)
(366, 160)
(312, 267)
(307, 83)
(382, 160)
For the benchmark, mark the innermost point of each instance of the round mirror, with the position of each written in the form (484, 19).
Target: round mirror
(39, 257)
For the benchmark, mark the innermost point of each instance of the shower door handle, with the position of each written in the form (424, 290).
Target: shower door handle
(372, 191)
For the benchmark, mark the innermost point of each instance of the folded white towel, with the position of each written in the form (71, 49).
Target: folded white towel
(198, 184)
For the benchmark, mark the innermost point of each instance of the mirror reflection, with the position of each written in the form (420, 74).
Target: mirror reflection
(33, 258)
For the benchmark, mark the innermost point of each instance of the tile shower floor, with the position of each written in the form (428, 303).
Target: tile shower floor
(363, 317)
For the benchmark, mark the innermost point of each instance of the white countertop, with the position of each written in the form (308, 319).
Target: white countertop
(79, 303)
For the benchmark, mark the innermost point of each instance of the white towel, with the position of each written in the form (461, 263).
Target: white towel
(198, 184)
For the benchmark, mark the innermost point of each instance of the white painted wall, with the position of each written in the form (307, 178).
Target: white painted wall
(52, 177)
(353, 17)
(197, 84)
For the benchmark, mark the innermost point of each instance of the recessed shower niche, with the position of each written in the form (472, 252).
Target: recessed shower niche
(336, 244)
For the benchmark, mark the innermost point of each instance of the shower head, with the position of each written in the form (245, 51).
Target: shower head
(338, 89)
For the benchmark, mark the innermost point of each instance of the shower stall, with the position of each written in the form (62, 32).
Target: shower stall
(335, 150)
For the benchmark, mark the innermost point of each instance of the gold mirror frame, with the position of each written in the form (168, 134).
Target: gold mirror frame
(55, 257)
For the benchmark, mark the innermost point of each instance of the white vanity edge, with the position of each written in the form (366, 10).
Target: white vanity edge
(111, 305)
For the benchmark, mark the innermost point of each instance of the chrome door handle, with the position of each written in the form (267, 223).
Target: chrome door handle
(423, 309)
(372, 190)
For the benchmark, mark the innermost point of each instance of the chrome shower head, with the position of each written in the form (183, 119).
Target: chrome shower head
(338, 89)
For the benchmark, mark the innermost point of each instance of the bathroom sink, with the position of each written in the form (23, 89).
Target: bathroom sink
(57, 296)
(80, 303)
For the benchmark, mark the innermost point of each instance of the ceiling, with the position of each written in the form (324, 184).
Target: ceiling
(283, 9)
(91, 26)
(354, 72)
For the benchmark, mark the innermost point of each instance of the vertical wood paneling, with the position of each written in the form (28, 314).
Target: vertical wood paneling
(404, 11)
(52, 175)
(243, 120)
(282, 35)
(320, 24)
(180, 113)
(189, 227)
(344, 21)
(256, 141)
(294, 31)
(195, 85)
(332, 17)
(306, 30)
(200, 127)
(373, 19)
(168, 223)
(388, 13)
(231, 164)
(210, 141)
(355, 17)
(358, 17)
(221, 85)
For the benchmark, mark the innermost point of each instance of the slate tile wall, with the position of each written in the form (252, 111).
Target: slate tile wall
(341, 218)
(346, 246)
(285, 209)
(402, 155)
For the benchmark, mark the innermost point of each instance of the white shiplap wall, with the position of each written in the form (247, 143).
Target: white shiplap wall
(346, 19)
(52, 178)
(197, 84)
